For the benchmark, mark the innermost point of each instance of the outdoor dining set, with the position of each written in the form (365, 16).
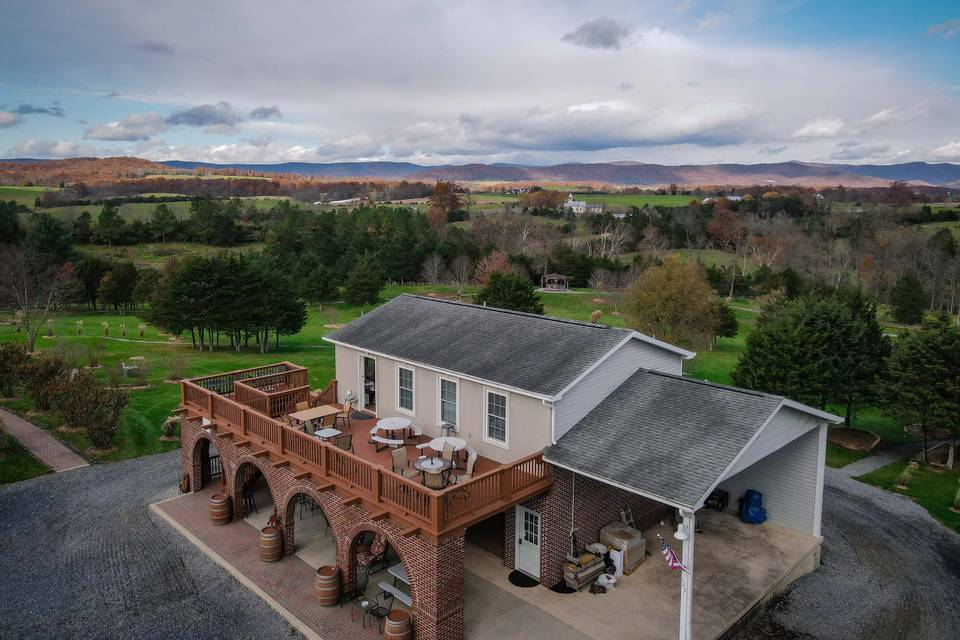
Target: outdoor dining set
(328, 422)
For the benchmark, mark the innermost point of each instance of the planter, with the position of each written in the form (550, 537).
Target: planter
(220, 509)
(327, 586)
(271, 544)
(397, 626)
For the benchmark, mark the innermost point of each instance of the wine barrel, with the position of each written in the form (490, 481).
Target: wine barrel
(271, 544)
(220, 508)
(397, 625)
(327, 586)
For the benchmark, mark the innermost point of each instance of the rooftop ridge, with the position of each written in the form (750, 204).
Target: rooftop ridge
(717, 385)
(580, 323)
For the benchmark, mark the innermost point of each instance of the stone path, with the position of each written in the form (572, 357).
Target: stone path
(41, 444)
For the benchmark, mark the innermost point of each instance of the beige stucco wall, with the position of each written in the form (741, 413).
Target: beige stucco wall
(528, 419)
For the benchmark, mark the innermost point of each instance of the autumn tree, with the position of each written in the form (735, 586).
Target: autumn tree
(728, 229)
(542, 199)
(445, 197)
(495, 262)
(673, 302)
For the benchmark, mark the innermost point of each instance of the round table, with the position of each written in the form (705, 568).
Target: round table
(459, 444)
(432, 465)
(326, 433)
(393, 424)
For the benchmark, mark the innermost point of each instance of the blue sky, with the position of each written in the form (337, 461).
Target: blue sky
(691, 81)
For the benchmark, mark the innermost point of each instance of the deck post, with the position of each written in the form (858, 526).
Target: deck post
(686, 578)
(210, 403)
(243, 422)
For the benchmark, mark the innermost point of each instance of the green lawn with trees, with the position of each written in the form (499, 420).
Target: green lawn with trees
(936, 490)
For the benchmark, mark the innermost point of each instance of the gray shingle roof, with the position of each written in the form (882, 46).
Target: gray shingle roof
(534, 353)
(664, 436)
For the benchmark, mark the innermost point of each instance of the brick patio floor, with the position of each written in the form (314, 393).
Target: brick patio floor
(289, 582)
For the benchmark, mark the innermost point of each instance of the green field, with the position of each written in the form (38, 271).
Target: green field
(142, 210)
(155, 254)
(931, 488)
(933, 227)
(620, 200)
(23, 195)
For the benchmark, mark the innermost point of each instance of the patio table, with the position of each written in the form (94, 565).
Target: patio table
(432, 465)
(459, 444)
(327, 432)
(393, 424)
(315, 412)
(398, 573)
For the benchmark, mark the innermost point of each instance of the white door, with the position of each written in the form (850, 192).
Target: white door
(527, 555)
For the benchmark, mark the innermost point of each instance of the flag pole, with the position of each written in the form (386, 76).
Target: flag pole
(686, 577)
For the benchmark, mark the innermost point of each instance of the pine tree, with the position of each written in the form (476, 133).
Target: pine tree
(510, 291)
(363, 284)
(908, 299)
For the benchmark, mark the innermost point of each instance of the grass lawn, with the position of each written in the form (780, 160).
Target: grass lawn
(931, 488)
(23, 195)
(16, 463)
(156, 254)
(838, 456)
(636, 200)
(142, 210)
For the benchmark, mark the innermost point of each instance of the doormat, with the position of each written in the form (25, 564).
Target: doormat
(356, 415)
(519, 579)
(562, 587)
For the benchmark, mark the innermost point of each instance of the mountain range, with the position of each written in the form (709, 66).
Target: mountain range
(623, 173)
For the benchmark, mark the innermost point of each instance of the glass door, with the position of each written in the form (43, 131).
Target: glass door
(369, 396)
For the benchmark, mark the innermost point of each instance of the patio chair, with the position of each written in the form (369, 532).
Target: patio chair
(303, 406)
(326, 421)
(447, 429)
(372, 559)
(345, 442)
(344, 415)
(468, 472)
(384, 603)
(401, 464)
(447, 454)
(435, 480)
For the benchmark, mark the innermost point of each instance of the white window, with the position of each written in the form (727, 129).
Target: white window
(448, 401)
(405, 389)
(495, 429)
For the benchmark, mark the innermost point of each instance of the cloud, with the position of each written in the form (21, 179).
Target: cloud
(820, 128)
(853, 150)
(206, 115)
(266, 113)
(771, 151)
(882, 118)
(154, 46)
(949, 151)
(135, 127)
(712, 20)
(9, 119)
(29, 109)
(626, 86)
(947, 29)
(37, 148)
(602, 33)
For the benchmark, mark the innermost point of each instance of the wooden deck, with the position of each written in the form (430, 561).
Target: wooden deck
(267, 392)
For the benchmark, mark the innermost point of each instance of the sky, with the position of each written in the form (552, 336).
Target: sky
(454, 82)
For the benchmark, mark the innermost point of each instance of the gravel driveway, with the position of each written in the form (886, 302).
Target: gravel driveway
(81, 556)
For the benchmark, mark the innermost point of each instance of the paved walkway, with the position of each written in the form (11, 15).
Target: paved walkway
(41, 444)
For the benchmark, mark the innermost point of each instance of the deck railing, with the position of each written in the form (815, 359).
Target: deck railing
(436, 512)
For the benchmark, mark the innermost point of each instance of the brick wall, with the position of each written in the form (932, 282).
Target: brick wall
(595, 505)
(435, 567)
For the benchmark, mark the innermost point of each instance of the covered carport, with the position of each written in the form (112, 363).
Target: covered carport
(676, 440)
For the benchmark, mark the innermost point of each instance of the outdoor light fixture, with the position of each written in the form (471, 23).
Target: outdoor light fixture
(681, 533)
(350, 397)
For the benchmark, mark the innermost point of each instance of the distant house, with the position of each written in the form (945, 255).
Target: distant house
(581, 206)
(554, 282)
(730, 198)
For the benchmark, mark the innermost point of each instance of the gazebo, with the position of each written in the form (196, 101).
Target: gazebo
(554, 282)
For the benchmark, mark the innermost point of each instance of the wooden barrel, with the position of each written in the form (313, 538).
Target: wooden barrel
(271, 544)
(327, 586)
(220, 508)
(397, 625)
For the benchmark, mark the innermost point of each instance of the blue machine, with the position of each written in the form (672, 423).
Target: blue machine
(751, 507)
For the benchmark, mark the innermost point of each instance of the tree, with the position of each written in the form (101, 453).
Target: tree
(908, 299)
(11, 232)
(110, 224)
(40, 377)
(32, 286)
(363, 284)
(730, 231)
(116, 288)
(163, 221)
(510, 291)
(319, 285)
(727, 324)
(461, 271)
(432, 269)
(673, 302)
(48, 238)
(12, 358)
(922, 386)
(495, 262)
(85, 403)
(445, 197)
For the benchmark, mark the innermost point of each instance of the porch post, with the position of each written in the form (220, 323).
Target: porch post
(686, 578)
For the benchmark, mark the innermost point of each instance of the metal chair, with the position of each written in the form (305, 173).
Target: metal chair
(448, 429)
(401, 464)
(249, 503)
(345, 414)
(468, 472)
(447, 454)
(303, 406)
(345, 442)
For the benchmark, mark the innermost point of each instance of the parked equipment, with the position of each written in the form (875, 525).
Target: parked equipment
(718, 499)
(751, 507)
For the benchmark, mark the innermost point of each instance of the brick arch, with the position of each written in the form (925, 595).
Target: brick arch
(196, 467)
(287, 516)
(233, 491)
(350, 546)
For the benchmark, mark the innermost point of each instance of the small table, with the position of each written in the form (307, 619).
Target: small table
(313, 413)
(326, 433)
(398, 573)
(432, 465)
(393, 424)
(459, 444)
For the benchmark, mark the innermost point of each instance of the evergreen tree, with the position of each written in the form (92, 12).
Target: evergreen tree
(163, 221)
(110, 224)
(48, 238)
(10, 230)
(922, 386)
(510, 291)
(908, 299)
(727, 324)
(363, 284)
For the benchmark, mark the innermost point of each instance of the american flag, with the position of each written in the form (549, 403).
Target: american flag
(668, 554)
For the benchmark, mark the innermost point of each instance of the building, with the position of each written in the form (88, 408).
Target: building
(570, 423)
(581, 206)
(554, 282)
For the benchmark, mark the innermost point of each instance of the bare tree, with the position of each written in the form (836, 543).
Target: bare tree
(461, 271)
(432, 269)
(32, 287)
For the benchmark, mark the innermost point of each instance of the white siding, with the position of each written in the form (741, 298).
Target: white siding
(785, 427)
(790, 480)
(580, 399)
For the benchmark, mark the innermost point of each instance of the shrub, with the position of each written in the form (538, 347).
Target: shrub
(85, 403)
(170, 426)
(40, 378)
(12, 358)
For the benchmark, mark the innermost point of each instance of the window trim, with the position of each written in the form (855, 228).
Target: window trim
(456, 382)
(505, 443)
(412, 412)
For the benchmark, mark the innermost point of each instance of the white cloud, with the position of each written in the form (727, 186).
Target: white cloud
(949, 151)
(712, 20)
(947, 29)
(602, 33)
(136, 126)
(820, 128)
(8, 119)
(37, 148)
